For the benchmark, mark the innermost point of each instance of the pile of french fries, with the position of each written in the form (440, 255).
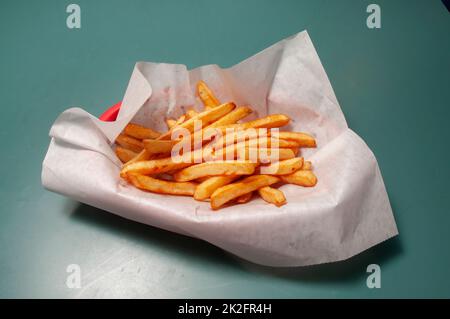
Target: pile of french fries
(254, 164)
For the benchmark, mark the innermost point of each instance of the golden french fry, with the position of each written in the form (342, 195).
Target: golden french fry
(301, 178)
(171, 123)
(232, 117)
(159, 146)
(129, 142)
(272, 195)
(207, 187)
(180, 120)
(206, 95)
(141, 156)
(162, 187)
(190, 114)
(244, 198)
(307, 166)
(155, 166)
(140, 132)
(202, 179)
(261, 141)
(124, 154)
(302, 139)
(226, 193)
(270, 121)
(214, 169)
(285, 167)
(205, 118)
(253, 153)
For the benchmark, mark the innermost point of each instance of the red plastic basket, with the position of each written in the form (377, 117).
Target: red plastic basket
(110, 114)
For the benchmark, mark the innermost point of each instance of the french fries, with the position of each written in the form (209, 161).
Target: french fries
(130, 143)
(301, 178)
(140, 132)
(302, 139)
(156, 166)
(213, 169)
(207, 187)
(159, 146)
(244, 198)
(226, 193)
(285, 167)
(214, 156)
(124, 154)
(272, 195)
(160, 186)
(206, 95)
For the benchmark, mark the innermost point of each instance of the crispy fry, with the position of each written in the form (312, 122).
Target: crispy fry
(303, 139)
(159, 146)
(124, 154)
(155, 166)
(129, 143)
(261, 141)
(206, 95)
(171, 123)
(207, 187)
(162, 187)
(190, 114)
(307, 166)
(226, 193)
(140, 132)
(272, 195)
(285, 167)
(270, 121)
(244, 198)
(232, 117)
(252, 153)
(214, 169)
(205, 117)
(301, 178)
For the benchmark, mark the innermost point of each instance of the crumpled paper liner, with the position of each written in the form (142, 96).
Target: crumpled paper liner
(347, 212)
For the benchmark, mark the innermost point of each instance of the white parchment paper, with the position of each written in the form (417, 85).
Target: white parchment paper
(347, 212)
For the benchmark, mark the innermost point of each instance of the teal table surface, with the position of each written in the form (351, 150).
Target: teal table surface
(392, 84)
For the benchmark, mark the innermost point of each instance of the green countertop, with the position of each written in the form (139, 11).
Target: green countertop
(392, 84)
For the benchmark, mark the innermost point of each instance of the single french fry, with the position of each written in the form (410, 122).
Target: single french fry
(272, 195)
(141, 156)
(180, 120)
(261, 141)
(171, 123)
(226, 193)
(159, 146)
(161, 186)
(307, 166)
(155, 166)
(191, 113)
(301, 178)
(207, 187)
(205, 117)
(129, 143)
(140, 132)
(213, 169)
(206, 95)
(285, 167)
(302, 139)
(270, 121)
(202, 179)
(232, 117)
(258, 154)
(244, 198)
(124, 154)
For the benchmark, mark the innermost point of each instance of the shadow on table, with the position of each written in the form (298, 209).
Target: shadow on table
(205, 254)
